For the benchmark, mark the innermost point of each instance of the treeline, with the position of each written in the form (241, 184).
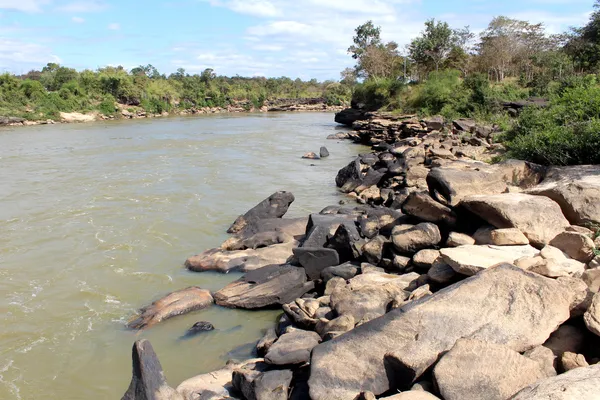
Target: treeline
(44, 94)
(455, 73)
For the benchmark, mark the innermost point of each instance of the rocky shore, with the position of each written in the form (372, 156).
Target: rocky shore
(453, 278)
(126, 112)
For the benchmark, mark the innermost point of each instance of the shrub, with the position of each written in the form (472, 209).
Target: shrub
(107, 106)
(441, 93)
(379, 93)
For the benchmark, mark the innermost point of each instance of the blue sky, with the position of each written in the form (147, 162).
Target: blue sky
(297, 38)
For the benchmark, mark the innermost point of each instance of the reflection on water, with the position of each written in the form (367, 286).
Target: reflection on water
(96, 220)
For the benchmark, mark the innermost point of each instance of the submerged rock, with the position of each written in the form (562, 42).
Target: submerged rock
(176, 303)
(198, 328)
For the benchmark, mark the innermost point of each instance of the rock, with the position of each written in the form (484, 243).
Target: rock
(425, 258)
(422, 206)
(373, 249)
(215, 385)
(76, 117)
(582, 297)
(346, 271)
(293, 348)
(595, 263)
(197, 328)
(477, 370)
(464, 124)
(592, 315)
(471, 259)
(495, 306)
(314, 260)
(440, 272)
(452, 183)
(543, 356)
(242, 260)
(521, 211)
(347, 242)
(577, 245)
(322, 227)
(350, 115)
(592, 278)
(148, 381)
(508, 237)
(323, 152)
(273, 385)
(348, 177)
(576, 189)
(456, 239)
(267, 286)
(302, 312)
(419, 237)
(411, 395)
(311, 156)
(343, 323)
(275, 206)
(369, 296)
(555, 264)
(435, 123)
(256, 241)
(265, 343)
(577, 384)
(400, 263)
(176, 303)
(571, 361)
(566, 338)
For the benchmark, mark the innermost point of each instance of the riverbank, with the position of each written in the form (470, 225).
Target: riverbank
(123, 111)
(446, 283)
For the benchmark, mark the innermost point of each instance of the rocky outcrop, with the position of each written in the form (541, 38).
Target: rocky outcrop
(495, 306)
(264, 287)
(349, 116)
(177, 303)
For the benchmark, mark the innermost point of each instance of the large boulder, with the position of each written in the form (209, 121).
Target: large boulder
(576, 189)
(497, 305)
(418, 237)
(577, 384)
(475, 370)
(176, 303)
(349, 116)
(576, 245)
(521, 211)
(241, 260)
(451, 183)
(471, 259)
(148, 381)
(264, 287)
(275, 206)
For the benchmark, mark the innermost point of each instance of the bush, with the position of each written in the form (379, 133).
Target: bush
(107, 106)
(441, 93)
(379, 93)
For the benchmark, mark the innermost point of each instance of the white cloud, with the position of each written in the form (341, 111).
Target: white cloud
(23, 5)
(114, 26)
(17, 55)
(268, 47)
(279, 27)
(260, 8)
(78, 20)
(89, 6)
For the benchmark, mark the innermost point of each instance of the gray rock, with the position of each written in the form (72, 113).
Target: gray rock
(273, 385)
(341, 324)
(323, 152)
(347, 242)
(496, 306)
(440, 272)
(275, 206)
(474, 370)
(521, 211)
(265, 343)
(148, 381)
(264, 287)
(293, 348)
(419, 237)
(373, 249)
(577, 384)
(346, 271)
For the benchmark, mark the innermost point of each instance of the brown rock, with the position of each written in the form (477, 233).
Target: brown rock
(577, 245)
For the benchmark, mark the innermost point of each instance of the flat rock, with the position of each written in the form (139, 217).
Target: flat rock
(413, 239)
(592, 315)
(521, 211)
(241, 260)
(293, 348)
(264, 287)
(176, 303)
(471, 259)
(148, 381)
(577, 384)
(495, 306)
(474, 370)
(576, 189)
(274, 206)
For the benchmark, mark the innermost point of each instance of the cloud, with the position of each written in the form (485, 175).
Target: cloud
(78, 20)
(260, 8)
(23, 5)
(268, 47)
(90, 6)
(114, 26)
(17, 54)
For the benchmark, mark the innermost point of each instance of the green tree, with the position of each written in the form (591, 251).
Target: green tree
(434, 45)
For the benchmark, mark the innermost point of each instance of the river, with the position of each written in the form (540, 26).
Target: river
(97, 219)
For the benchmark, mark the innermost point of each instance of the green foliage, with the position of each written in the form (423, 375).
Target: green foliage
(379, 93)
(442, 91)
(107, 106)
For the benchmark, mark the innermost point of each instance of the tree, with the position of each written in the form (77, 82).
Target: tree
(434, 45)
(367, 35)
(374, 58)
(583, 44)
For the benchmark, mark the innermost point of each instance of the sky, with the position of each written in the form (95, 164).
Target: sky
(296, 38)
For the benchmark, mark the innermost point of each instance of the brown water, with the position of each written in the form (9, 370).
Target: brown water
(97, 219)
